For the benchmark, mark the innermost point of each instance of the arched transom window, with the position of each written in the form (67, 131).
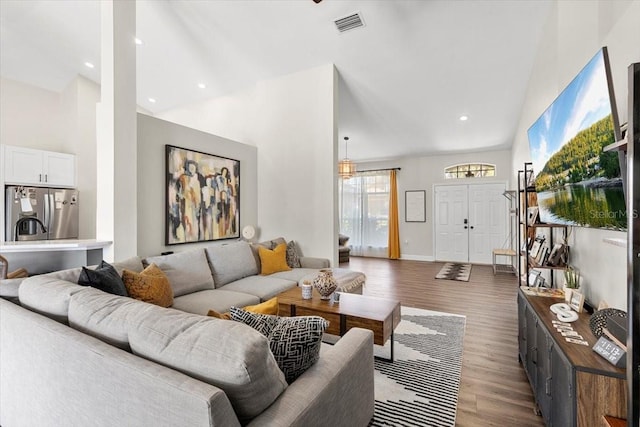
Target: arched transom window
(469, 170)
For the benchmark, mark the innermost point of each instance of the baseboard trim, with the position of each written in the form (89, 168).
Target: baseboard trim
(416, 257)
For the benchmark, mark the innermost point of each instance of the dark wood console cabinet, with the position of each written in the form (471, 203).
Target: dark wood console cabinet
(572, 385)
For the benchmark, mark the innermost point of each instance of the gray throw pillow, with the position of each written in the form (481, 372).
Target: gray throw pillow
(105, 278)
(294, 341)
(293, 258)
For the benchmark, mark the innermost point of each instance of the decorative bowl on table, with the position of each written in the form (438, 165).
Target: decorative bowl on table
(325, 283)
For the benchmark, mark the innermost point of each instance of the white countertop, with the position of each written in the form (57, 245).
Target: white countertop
(53, 245)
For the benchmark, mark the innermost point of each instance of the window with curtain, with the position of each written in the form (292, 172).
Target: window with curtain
(364, 213)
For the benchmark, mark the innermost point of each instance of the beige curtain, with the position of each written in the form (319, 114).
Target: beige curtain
(394, 232)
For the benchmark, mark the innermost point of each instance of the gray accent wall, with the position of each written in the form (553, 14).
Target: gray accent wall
(153, 135)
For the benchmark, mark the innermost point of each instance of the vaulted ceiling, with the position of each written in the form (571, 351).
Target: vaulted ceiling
(406, 76)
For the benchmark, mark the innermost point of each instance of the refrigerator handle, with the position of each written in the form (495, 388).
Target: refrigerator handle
(52, 211)
(46, 211)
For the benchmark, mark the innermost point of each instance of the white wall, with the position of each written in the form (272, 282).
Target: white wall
(153, 134)
(30, 117)
(79, 99)
(292, 122)
(573, 34)
(421, 173)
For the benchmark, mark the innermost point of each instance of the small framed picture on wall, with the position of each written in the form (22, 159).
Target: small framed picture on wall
(415, 206)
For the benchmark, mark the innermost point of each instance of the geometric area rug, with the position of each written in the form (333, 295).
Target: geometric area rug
(455, 271)
(420, 387)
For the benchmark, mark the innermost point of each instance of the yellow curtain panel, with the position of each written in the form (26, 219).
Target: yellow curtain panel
(394, 233)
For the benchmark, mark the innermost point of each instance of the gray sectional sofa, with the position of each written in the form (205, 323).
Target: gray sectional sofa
(72, 355)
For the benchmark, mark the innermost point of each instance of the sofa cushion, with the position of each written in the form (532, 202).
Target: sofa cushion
(105, 316)
(272, 261)
(263, 287)
(295, 274)
(132, 264)
(295, 341)
(105, 278)
(228, 355)
(220, 300)
(48, 295)
(231, 262)
(187, 271)
(151, 285)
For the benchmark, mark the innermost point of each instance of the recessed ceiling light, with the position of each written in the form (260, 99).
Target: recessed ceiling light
(464, 118)
(137, 40)
(89, 65)
(202, 85)
(152, 100)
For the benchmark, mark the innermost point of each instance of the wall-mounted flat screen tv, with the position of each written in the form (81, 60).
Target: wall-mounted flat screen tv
(577, 183)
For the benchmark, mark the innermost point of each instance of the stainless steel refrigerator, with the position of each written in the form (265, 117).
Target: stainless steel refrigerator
(29, 210)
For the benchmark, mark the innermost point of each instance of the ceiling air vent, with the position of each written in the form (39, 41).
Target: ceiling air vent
(349, 22)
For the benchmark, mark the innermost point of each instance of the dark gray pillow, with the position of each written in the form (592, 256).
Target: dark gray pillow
(342, 239)
(294, 341)
(104, 277)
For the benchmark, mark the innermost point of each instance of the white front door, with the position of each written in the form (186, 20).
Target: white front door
(452, 237)
(470, 221)
(487, 221)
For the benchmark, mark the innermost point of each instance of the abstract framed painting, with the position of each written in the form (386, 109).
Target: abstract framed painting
(203, 196)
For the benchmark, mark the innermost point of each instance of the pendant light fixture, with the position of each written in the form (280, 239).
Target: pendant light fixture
(346, 168)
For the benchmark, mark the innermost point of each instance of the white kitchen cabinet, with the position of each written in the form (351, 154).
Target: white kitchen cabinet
(27, 166)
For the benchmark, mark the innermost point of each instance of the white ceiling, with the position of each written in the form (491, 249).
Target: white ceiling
(405, 78)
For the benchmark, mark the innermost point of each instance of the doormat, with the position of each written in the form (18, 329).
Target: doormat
(455, 271)
(420, 387)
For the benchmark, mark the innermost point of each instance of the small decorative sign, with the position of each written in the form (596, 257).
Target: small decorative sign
(611, 352)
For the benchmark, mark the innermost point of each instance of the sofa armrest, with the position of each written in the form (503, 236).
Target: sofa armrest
(341, 385)
(312, 262)
(9, 287)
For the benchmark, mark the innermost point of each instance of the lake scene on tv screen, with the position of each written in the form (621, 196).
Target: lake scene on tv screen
(576, 182)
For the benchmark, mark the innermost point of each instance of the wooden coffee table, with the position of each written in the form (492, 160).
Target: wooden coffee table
(353, 311)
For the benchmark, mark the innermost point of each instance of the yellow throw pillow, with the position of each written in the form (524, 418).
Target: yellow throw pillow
(273, 261)
(267, 307)
(151, 285)
(223, 316)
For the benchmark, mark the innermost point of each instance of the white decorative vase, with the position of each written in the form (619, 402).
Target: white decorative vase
(325, 283)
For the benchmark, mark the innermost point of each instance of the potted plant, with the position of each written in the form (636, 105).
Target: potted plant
(571, 282)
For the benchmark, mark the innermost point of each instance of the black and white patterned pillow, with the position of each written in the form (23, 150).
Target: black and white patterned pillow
(294, 341)
(293, 258)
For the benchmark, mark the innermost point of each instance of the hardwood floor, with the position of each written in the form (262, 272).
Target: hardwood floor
(494, 390)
